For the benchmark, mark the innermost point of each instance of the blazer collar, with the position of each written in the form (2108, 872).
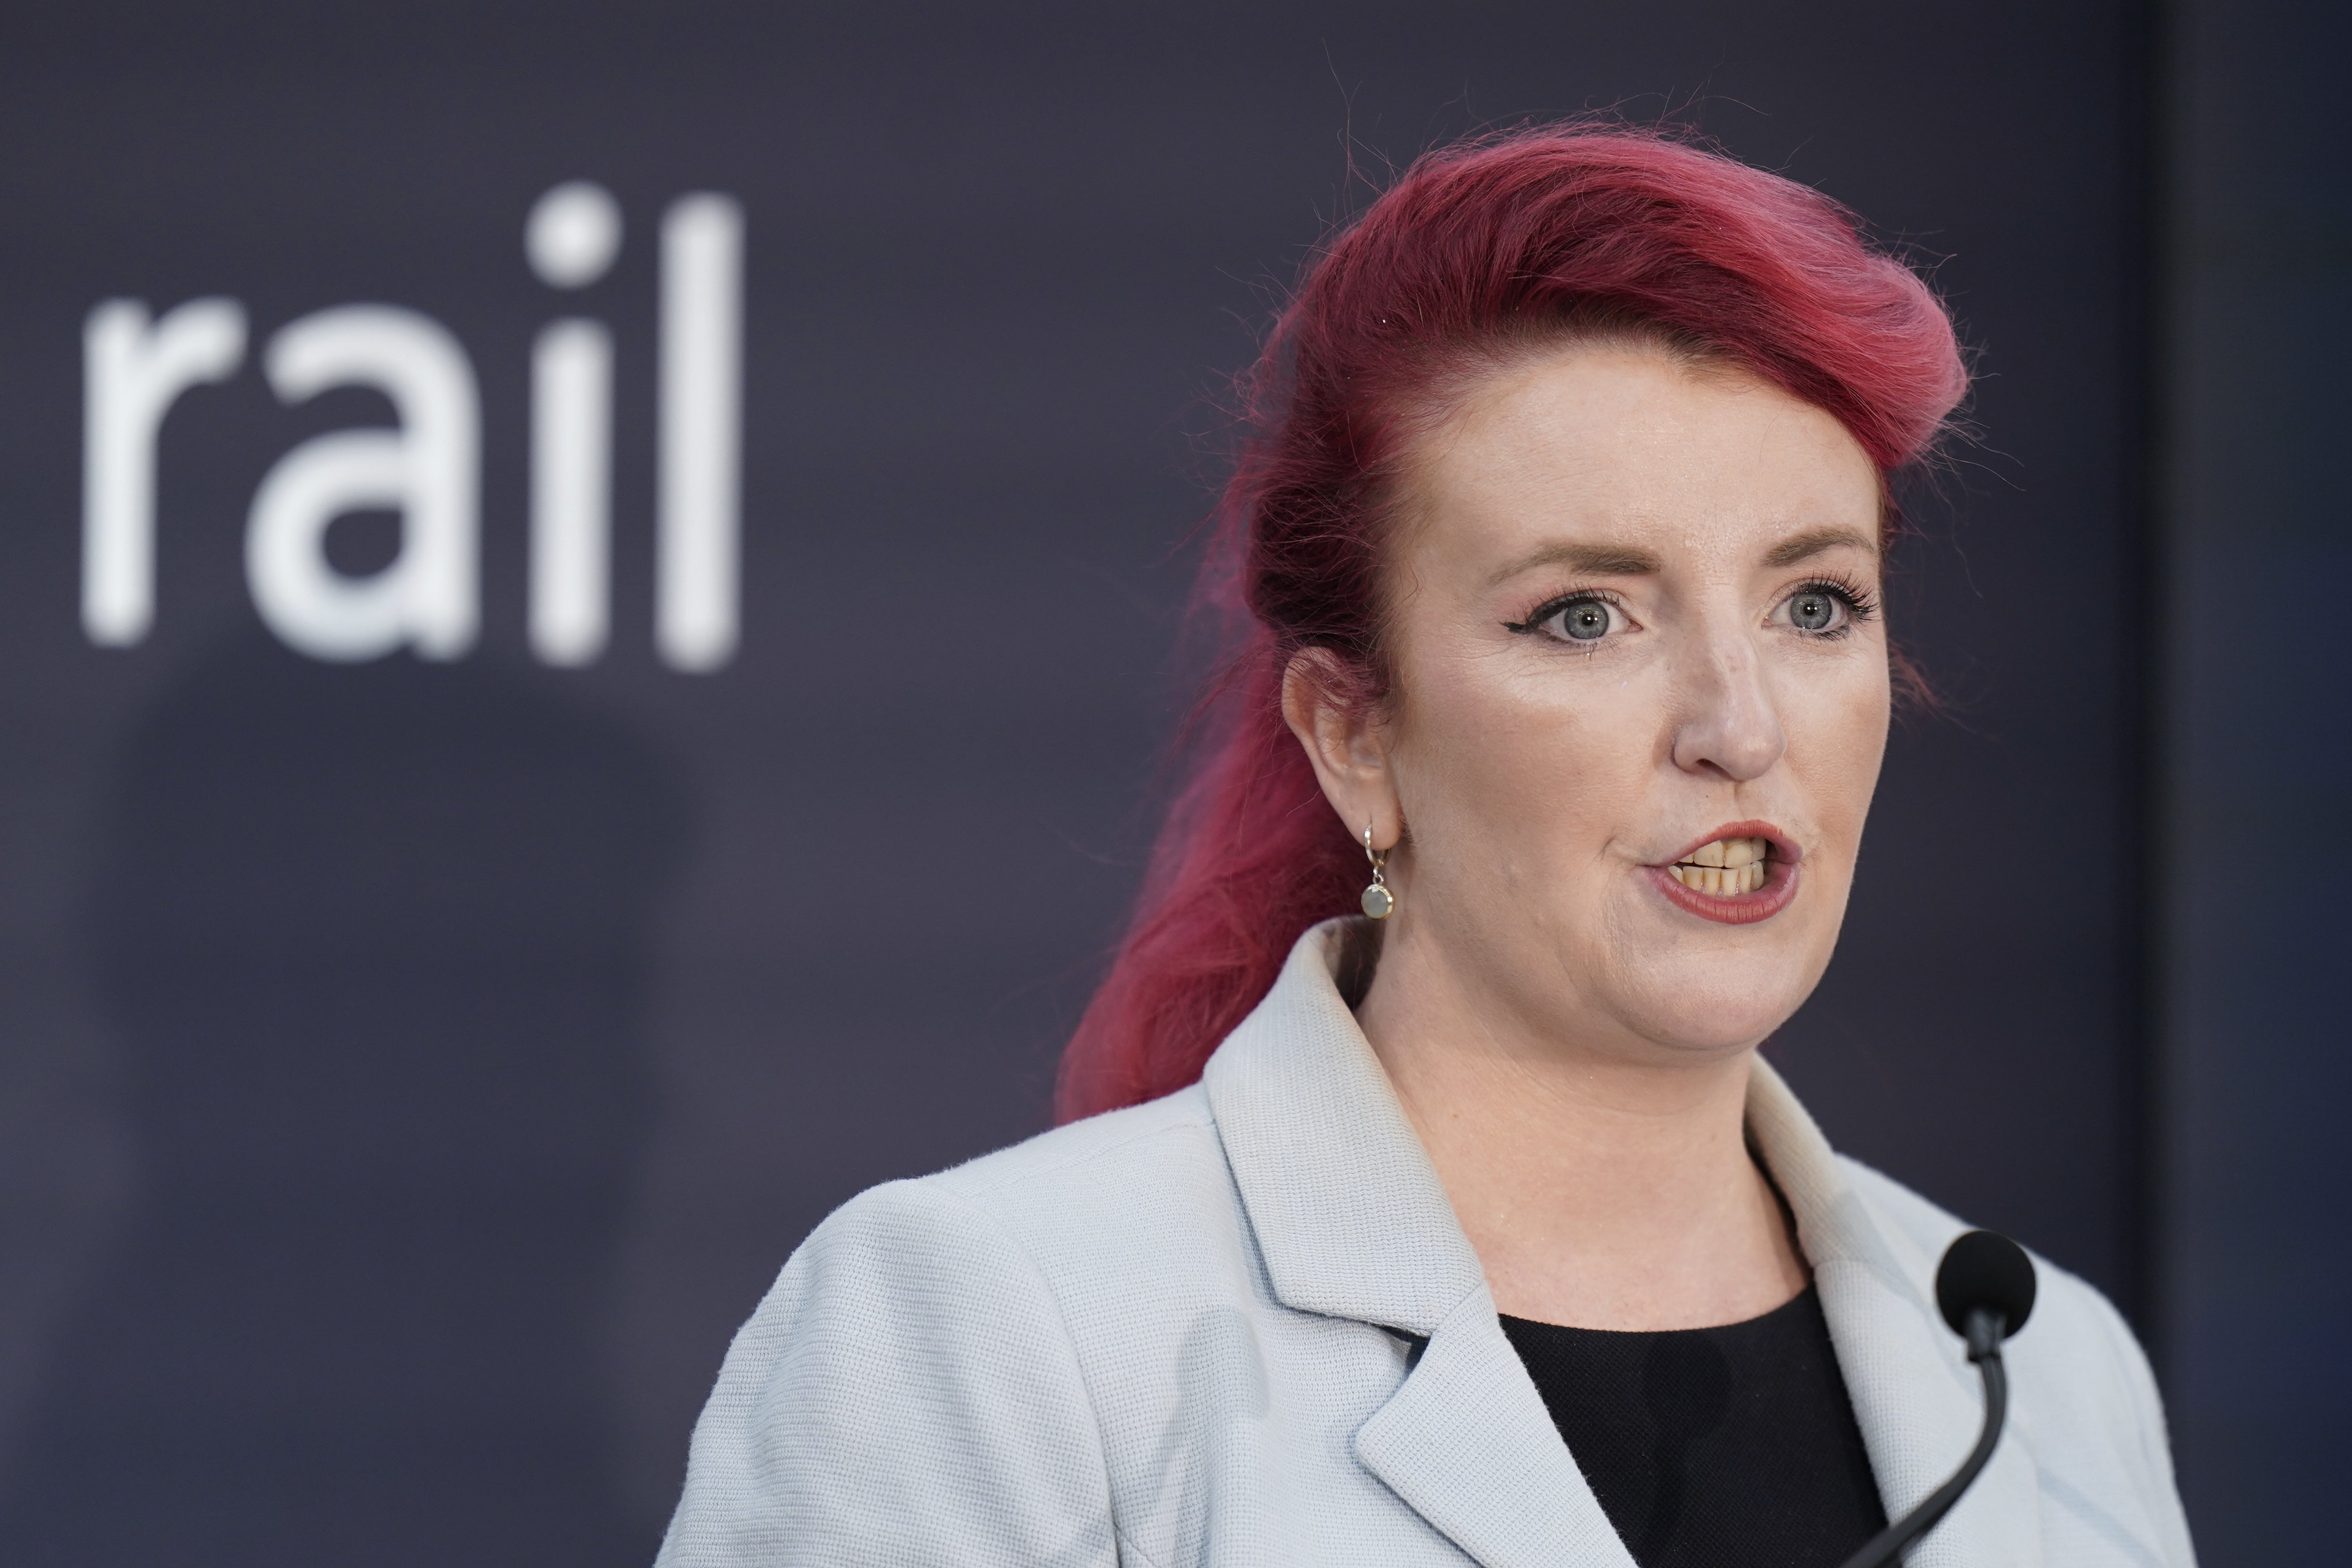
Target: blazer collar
(1354, 1223)
(1350, 1213)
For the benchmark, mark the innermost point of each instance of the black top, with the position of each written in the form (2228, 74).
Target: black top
(1726, 1447)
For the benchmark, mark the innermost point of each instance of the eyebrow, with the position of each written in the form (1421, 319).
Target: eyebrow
(1819, 542)
(1633, 561)
(1593, 560)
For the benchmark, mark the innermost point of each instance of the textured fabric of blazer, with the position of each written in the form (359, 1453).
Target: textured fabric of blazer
(1180, 1334)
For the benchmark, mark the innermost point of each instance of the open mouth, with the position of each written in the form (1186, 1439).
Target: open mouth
(1726, 867)
(1747, 873)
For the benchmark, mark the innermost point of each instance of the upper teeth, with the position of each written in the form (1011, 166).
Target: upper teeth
(1727, 866)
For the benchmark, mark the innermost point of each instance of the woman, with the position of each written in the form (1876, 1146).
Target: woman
(1472, 1227)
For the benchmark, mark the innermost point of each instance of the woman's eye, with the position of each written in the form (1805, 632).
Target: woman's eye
(1811, 610)
(1583, 620)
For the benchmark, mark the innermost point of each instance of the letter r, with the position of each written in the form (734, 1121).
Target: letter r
(133, 372)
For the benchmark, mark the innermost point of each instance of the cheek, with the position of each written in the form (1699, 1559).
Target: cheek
(1520, 773)
(1838, 742)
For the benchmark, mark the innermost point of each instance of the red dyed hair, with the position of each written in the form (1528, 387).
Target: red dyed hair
(1482, 250)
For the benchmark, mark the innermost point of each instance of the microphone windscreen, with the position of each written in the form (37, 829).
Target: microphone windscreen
(1984, 1269)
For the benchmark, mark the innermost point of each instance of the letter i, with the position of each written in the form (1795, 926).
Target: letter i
(572, 236)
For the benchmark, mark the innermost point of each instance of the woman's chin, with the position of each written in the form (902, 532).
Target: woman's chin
(1700, 1040)
(1713, 1013)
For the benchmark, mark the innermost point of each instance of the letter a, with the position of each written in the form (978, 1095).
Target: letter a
(428, 471)
(132, 374)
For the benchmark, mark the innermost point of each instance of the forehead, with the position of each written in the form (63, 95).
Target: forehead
(1705, 466)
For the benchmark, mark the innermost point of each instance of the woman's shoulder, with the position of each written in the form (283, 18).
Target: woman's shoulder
(1135, 1150)
(2083, 1399)
(2081, 1389)
(1116, 1166)
(1105, 1203)
(940, 1338)
(1926, 1228)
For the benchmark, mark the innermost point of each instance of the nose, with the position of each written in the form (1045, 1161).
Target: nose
(1729, 725)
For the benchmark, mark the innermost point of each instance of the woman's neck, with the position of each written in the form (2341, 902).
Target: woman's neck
(1600, 1189)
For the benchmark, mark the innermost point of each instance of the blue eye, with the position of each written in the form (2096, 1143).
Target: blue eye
(1813, 611)
(1581, 617)
(1828, 608)
(1585, 620)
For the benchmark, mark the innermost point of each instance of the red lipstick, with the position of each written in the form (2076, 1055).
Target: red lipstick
(1780, 859)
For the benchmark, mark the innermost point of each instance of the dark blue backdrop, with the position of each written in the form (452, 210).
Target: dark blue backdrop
(2254, 1174)
(410, 1072)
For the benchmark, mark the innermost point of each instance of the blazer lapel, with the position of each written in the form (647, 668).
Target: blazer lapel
(1354, 1223)
(1918, 1402)
(1467, 1443)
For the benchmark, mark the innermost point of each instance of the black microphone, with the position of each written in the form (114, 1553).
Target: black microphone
(1985, 1287)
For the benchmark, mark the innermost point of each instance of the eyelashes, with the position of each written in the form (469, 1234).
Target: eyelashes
(1611, 610)
(1823, 608)
(1858, 602)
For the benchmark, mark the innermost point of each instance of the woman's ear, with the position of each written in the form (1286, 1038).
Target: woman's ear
(1348, 743)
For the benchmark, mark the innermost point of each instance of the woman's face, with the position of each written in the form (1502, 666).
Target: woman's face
(1640, 699)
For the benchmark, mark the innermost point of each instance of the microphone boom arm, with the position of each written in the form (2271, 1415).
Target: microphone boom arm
(1986, 1331)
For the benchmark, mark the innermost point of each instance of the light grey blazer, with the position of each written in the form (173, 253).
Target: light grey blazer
(1178, 1335)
